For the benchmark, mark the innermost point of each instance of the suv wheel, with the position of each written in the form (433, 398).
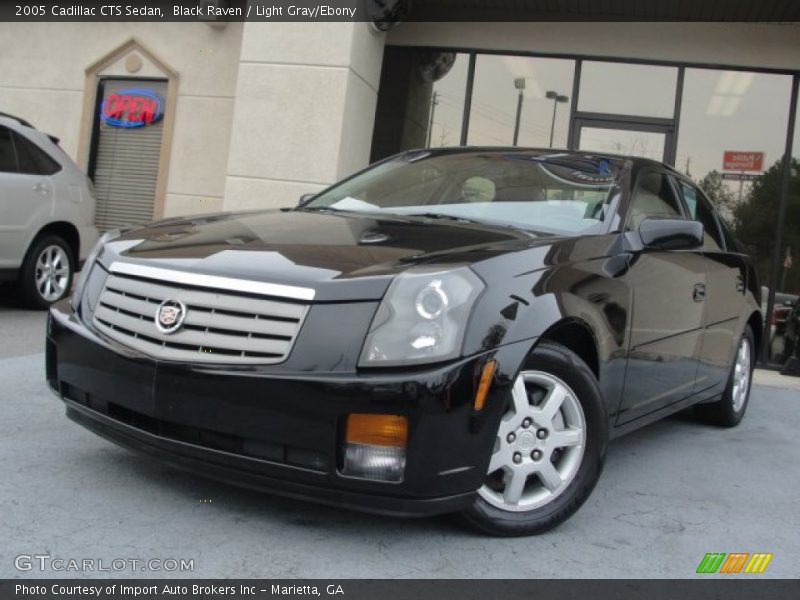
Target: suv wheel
(46, 274)
(549, 450)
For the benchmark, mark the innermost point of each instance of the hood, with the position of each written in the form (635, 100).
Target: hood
(342, 255)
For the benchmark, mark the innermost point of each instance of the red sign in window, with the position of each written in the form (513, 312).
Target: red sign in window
(132, 107)
(736, 160)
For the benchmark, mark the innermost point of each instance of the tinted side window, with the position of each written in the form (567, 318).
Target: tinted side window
(8, 158)
(32, 159)
(730, 242)
(653, 197)
(700, 210)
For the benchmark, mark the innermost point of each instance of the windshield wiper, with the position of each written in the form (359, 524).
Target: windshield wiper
(318, 208)
(484, 222)
(435, 215)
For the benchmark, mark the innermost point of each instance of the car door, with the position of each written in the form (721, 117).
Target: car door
(26, 197)
(726, 270)
(667, 319)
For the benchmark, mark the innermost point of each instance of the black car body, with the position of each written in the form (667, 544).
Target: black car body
(653, 314)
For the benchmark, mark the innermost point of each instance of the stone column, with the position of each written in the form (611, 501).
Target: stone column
(304, 110)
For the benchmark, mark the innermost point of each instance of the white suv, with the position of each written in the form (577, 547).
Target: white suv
(46, 213)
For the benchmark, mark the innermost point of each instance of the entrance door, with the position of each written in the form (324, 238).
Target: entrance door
(649, 139)
(126, 150)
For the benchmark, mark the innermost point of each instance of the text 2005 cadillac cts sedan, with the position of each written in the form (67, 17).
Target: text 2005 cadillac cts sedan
(459, 330)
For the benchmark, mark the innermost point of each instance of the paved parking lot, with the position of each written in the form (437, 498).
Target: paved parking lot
(669, 494)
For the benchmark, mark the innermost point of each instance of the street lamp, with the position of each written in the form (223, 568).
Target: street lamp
(556, 98)
(519, 83)
(434, 104)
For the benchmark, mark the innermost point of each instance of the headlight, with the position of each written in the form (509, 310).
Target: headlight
(422, 318)
(80, 280)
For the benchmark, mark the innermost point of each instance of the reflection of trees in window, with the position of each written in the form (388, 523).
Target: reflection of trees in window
(720, 194)
(754, 222)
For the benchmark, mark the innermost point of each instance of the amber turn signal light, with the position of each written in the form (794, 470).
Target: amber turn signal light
(377, 430)
(483, 385)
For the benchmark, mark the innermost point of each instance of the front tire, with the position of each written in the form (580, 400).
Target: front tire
(47, 271)
(729, 410)
(550, 447)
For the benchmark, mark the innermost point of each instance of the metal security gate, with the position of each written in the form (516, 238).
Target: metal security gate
(126, 150)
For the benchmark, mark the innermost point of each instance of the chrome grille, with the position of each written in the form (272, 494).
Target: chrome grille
(227, 320)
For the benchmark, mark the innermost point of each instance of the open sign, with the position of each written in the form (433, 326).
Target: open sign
(132, 107)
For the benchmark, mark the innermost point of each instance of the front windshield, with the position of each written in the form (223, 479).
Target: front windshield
(552, 193)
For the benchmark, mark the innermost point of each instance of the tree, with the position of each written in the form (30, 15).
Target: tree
(719, 193)
(754, 222)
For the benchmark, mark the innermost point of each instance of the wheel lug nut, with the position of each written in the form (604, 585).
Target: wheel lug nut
(536, 454)
(511, 437)
(517, 457)
(541, 434)
(527, 422)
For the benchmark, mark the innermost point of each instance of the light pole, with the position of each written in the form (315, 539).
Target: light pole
(434, 102)
(556, 98)
(519, 83)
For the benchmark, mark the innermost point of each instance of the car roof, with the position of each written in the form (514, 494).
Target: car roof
(18, 123)
(6, 116)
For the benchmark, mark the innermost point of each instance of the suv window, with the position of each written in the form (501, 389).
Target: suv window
(32, 159)
(653, 197)
(700, 210)
(8, 158)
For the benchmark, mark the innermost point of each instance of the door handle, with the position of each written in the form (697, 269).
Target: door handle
(41, 188)
(699, 292)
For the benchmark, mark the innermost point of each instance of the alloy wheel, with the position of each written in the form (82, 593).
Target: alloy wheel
(741, 375)
(539, 446)
(52, 273)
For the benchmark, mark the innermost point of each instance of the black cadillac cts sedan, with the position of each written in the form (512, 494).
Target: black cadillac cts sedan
(456, 330)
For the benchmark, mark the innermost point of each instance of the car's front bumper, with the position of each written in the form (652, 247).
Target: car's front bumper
(281, 431)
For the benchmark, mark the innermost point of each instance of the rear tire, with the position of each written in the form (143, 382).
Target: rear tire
(550, 447)
(46, 273)
(729, 410)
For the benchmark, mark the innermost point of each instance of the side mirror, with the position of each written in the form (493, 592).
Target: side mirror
(305, 199)
(671, 234)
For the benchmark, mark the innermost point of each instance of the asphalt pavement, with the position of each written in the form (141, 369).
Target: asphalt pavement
(669, 494)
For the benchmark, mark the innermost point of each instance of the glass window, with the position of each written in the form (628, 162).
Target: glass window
(542, 192)
(648, 144)
(8, 160)
(653, 198)
(737, 111)
(626, 89)
(544, 86)
(700, 210)
(32, 160)
(790, 270)
(420, 101)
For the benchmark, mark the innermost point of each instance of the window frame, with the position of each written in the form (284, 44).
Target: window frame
(26, 143)
(720, 239)
(643, 172)
(13, 149)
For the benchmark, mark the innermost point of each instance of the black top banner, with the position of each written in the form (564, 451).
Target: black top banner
(385, 14)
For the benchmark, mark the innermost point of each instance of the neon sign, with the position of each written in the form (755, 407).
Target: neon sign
(132, 107)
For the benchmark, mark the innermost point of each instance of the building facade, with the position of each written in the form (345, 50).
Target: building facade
(253, 115)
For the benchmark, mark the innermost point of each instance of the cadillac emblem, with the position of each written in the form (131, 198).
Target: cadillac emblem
(170, 316)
